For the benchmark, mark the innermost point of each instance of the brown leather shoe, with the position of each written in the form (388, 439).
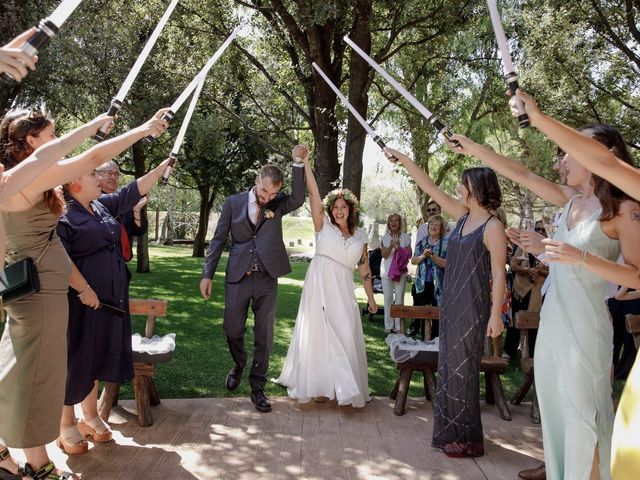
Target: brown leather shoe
(538, 473)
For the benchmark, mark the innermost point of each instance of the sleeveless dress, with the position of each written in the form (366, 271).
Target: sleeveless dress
(327, 356)
(464, 314)
(33, 360)
(572, 362)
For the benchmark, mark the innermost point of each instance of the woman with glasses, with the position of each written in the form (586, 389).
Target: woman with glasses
(33, 345)
(430, 257)
(99, 347)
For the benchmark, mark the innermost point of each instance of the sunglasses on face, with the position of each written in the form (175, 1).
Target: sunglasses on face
(539, 229)
(432, 209)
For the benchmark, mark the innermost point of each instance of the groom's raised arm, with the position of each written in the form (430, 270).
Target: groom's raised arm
(218, 241)
(296, 198)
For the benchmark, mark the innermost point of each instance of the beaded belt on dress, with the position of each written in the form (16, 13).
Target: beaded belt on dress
(334, 260)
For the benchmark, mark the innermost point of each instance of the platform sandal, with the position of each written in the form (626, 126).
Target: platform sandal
(72, 442)
(95, 429)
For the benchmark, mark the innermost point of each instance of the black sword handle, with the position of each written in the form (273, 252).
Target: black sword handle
(46, 30)
(443, 129)
(512, 83)
(169, 169)
(114, 108)
(168, 116)
(382, 146)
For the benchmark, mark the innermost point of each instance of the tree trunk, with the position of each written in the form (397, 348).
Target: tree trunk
(358, 97)
(142, 250)
(167, 226)
(203, 221)
(325, 133)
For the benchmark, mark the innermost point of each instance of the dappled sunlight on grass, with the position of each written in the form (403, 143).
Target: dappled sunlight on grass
(201, 360)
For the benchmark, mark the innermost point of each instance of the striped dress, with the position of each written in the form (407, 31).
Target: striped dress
(464, 314)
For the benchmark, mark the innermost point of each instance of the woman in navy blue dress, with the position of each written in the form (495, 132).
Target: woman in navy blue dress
(99, 337)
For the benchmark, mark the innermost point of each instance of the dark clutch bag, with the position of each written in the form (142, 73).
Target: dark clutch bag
(19, 280)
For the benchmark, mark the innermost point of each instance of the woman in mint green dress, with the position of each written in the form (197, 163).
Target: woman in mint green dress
(573, 349)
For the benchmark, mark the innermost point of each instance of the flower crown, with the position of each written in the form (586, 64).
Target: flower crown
(345, 193)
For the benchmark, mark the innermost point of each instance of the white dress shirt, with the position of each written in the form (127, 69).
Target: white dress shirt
(254, 208)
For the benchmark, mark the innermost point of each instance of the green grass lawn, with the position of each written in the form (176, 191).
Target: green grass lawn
(201, 360)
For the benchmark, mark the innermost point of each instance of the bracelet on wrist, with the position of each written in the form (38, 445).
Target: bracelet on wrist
(86, 289)
(583, 257)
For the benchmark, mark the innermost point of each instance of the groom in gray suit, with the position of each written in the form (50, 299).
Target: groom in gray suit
(256, 259)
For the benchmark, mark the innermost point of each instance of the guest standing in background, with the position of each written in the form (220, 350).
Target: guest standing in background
(395, 242)
(430, 258)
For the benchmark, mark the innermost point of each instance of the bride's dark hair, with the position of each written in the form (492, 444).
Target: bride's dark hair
(350, 199)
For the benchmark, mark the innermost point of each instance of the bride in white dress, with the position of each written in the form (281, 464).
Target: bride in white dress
(327, 356)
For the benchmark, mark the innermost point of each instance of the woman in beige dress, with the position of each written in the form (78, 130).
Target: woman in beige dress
(33, 344)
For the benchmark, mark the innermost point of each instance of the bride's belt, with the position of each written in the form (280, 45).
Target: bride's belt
(334, 260)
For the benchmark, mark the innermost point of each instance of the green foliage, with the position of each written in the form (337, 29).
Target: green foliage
(579, 59)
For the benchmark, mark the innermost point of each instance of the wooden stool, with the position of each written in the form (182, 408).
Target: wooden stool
(144, 388)
(526, 321)
(492, 367)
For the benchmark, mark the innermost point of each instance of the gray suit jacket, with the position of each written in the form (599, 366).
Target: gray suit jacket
(265, 238)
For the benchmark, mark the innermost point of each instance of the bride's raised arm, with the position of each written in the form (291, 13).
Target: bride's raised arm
(427, 185)
(317, 209)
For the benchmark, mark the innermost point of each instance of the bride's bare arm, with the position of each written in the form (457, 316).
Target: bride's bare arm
(317, 209)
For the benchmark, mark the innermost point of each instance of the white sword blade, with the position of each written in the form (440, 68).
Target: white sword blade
(133, 73)
(345, 102)
(203, 73)
(62, 12)
(187, 117)
(401, 90)
(501, 38)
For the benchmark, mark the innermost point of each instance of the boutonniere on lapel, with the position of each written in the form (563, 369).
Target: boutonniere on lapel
(268, 214)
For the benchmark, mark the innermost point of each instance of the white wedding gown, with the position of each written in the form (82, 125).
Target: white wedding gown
(327, 356)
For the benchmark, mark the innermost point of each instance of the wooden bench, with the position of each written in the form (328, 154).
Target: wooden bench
(526, 321)
(492, 367)
(144, 388)
(633, 327)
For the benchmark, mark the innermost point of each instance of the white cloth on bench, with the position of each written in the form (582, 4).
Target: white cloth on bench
(402, 348)
(155, 345)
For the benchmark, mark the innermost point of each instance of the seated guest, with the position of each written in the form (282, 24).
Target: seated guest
(99, 332)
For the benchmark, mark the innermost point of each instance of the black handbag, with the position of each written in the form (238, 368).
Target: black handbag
(19, 280)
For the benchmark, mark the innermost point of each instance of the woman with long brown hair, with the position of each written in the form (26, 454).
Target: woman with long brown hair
(327, 356)
(33, 344)
(469, 311)
(573, 348)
